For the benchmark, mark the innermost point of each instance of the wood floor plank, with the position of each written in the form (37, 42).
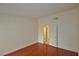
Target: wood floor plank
(39, 49)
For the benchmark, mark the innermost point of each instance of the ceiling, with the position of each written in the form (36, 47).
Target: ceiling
(34, 9)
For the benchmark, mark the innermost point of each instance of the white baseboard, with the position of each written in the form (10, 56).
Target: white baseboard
(23, 47)
(63, 48)
(18, 48)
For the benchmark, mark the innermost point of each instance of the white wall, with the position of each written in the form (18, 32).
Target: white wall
(67, 29)
(46, 21)
(16, 32)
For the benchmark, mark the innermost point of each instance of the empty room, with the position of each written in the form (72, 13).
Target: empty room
(39, 29)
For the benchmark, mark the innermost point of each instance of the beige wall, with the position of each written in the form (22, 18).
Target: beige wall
(78, 29)
(16, 32)
(67, 29)
(78, 26)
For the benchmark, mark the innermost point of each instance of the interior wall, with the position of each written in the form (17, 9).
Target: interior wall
(45, 21)
(67, 29)
(16, 32)
(78, 28)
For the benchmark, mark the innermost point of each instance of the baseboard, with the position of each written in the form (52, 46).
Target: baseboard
(76, 54)
(18, 48)
(63, 48)
(32, 44)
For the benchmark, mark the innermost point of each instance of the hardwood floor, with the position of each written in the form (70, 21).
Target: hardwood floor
(39, 49)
